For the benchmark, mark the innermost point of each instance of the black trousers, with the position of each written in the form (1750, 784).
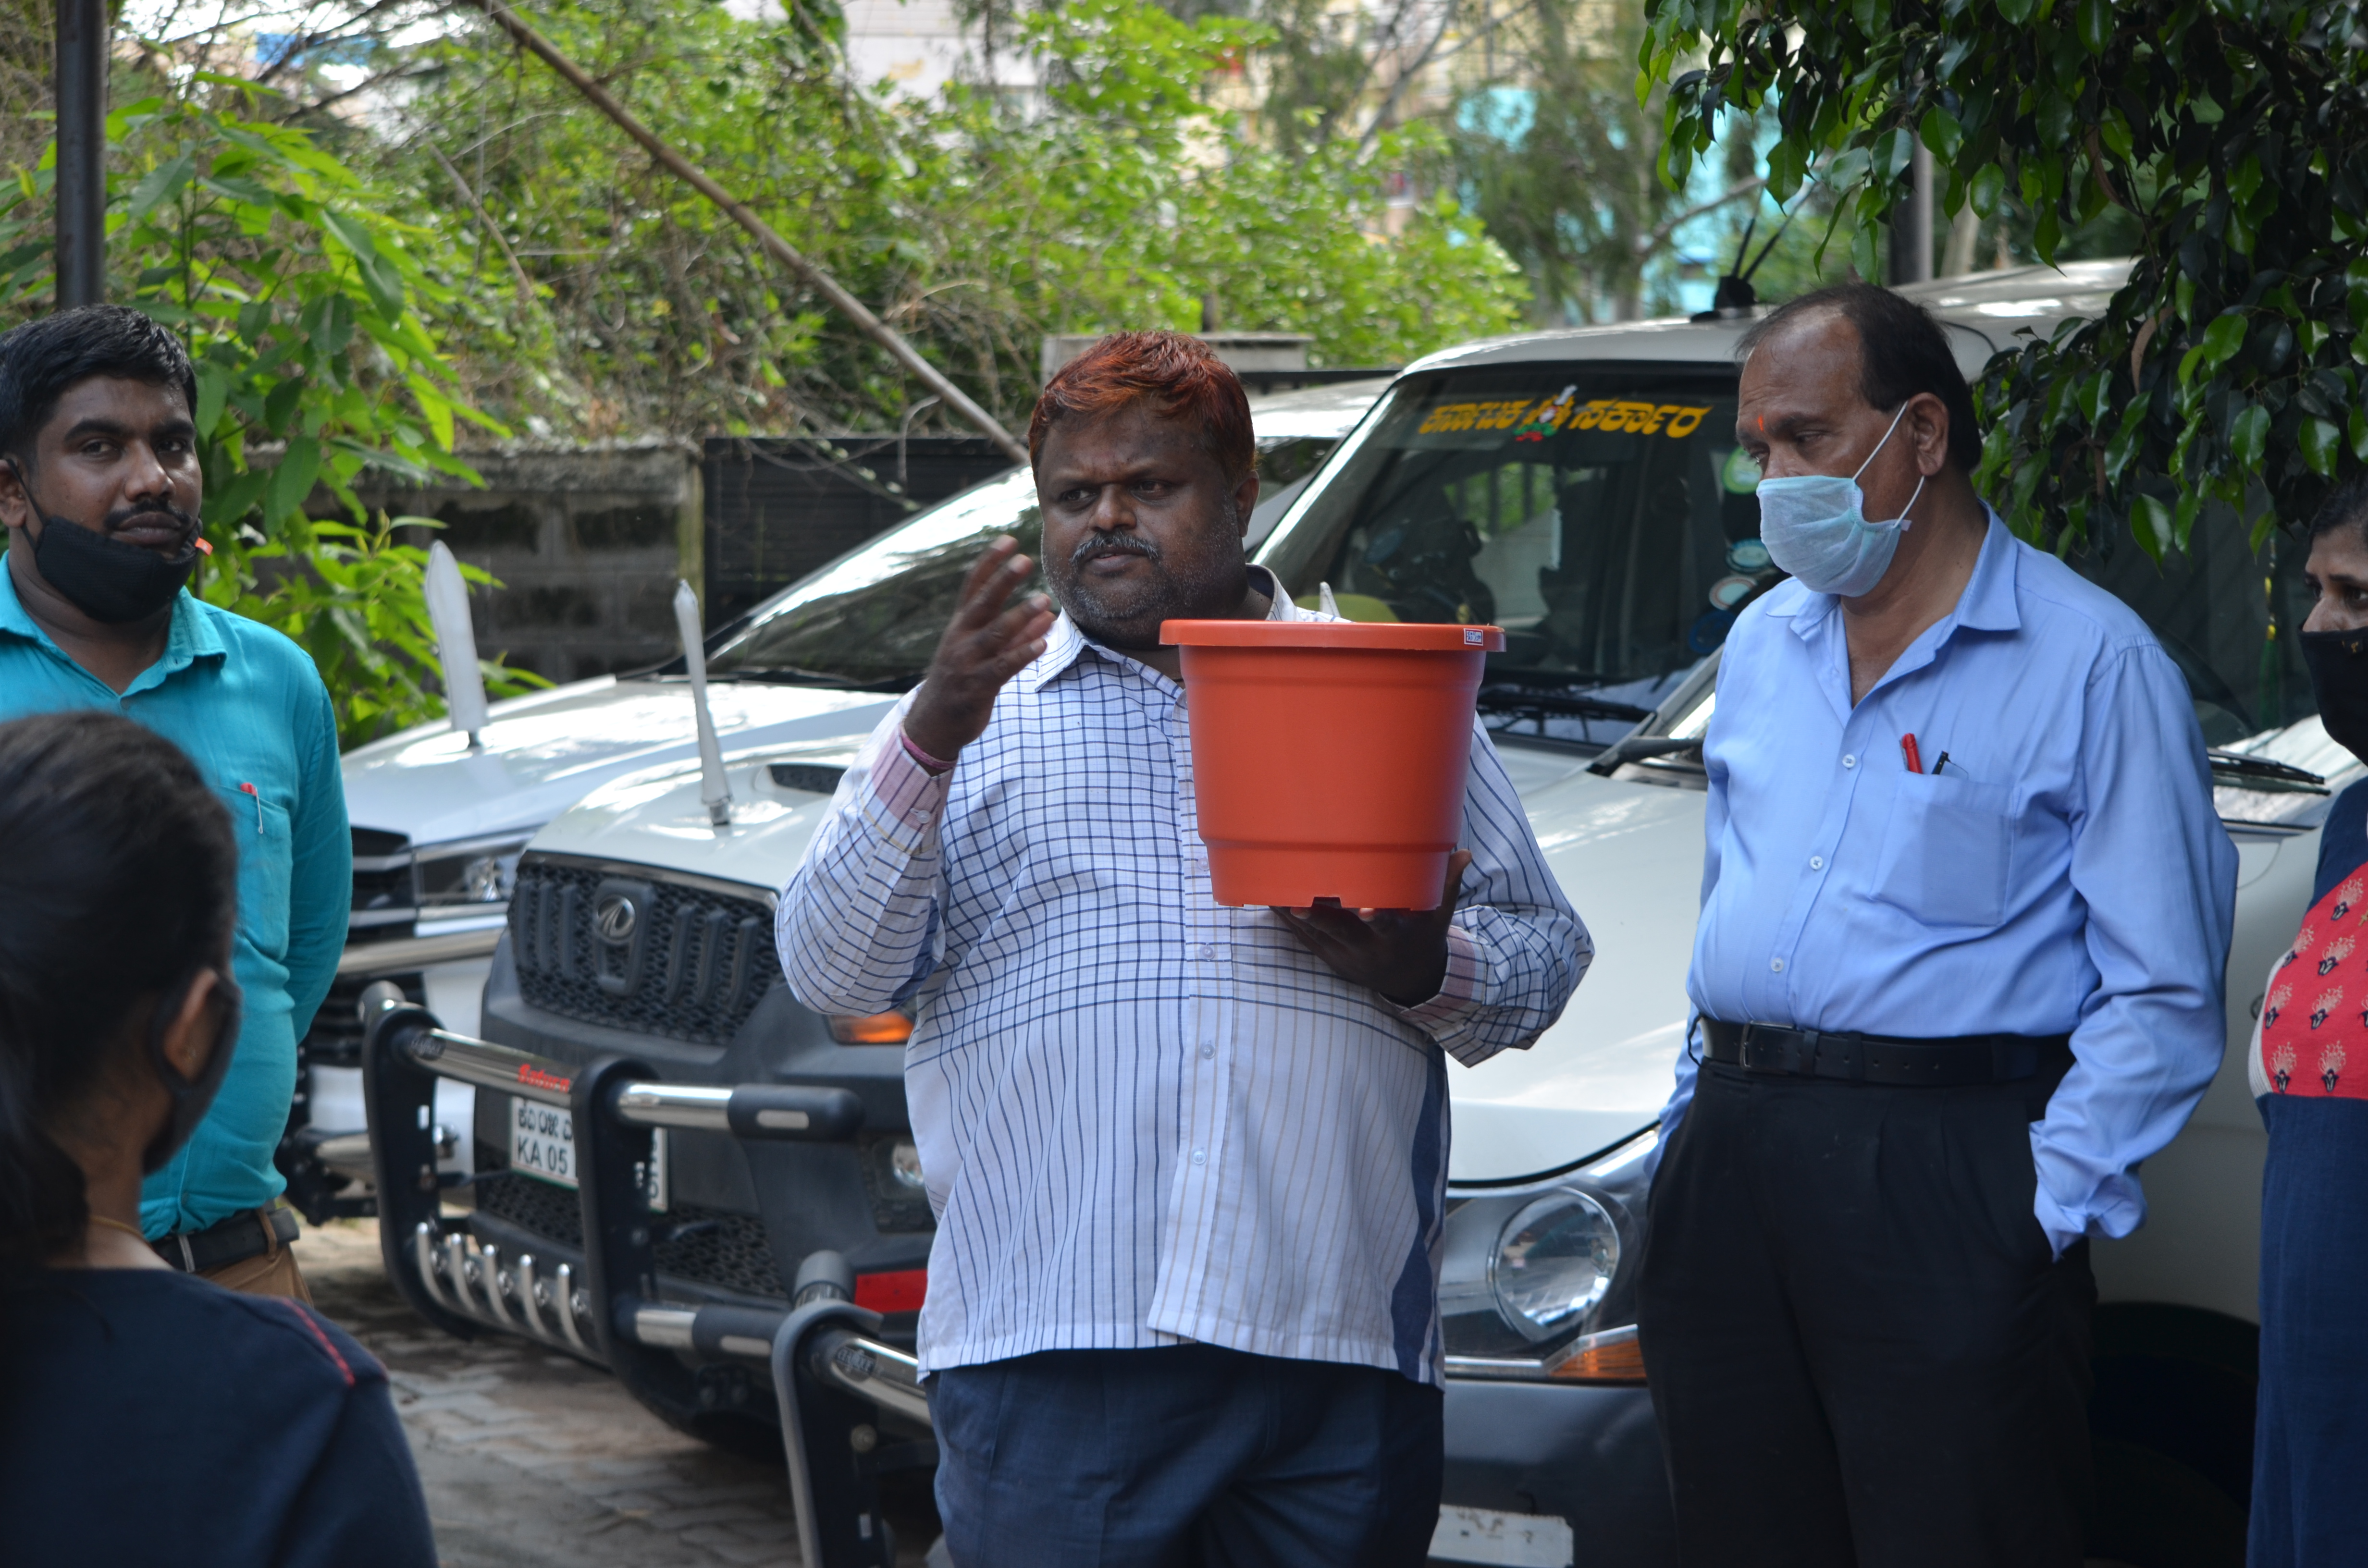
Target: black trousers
(1860, 1352)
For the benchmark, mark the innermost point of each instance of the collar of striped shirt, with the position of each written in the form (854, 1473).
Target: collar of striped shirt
(1145, 1117)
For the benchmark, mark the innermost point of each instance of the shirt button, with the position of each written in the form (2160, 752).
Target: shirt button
(1208, 1051)
(1849, 761)
(1204, 952)
(1776, 964)
(1199, 1157)
(1816, 862)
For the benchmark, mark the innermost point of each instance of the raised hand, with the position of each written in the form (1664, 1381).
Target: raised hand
(1402, 953)
(991, 638)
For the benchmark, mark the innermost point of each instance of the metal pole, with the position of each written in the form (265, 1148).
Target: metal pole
(82, 41)
(1911, 223)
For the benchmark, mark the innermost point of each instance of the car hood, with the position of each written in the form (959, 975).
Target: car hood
(538, 755)
(1629, 860)
(1628, 856)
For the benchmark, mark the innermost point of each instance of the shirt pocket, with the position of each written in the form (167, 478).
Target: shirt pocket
(1946, 851)
(266, 863)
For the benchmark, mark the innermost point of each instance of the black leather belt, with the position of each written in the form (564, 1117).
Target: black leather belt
(1871, 1059)
(250, 1232)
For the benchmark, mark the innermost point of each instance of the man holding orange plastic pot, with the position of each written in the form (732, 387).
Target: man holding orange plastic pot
(1188, 1160)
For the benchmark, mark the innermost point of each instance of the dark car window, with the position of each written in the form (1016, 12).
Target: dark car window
(1598, 515)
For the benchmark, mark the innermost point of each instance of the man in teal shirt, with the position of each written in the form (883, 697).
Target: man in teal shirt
(99, 490)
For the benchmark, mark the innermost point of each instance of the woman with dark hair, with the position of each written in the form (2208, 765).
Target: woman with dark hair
(2310, 1078)
(147, 1416)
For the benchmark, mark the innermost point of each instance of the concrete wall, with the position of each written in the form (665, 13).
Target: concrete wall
(588, 542)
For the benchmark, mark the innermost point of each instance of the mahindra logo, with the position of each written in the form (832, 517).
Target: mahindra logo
(613, 917)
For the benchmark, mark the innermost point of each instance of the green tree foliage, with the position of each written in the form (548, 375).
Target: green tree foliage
(2234, 133)
(308, 318)
(1122, 197)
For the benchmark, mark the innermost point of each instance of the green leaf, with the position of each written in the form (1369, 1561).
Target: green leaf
(1941, 133)
(2093, 19)
(2223, 339)
(2151, 521)
(291, 481)
(2245, 180)
(161, 183)
(2357, 429)
(2248, 437)
(1989, 189)
(2320, 444)
(230, 503)
(213, 386)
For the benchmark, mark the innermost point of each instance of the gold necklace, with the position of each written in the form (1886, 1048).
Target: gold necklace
(132, 1231)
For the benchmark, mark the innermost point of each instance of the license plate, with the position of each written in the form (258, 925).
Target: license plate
(543, 1144)
(1509, 1541)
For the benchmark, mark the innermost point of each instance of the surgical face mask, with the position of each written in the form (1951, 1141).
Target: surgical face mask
(192, 1097)
(107, 579)
(2338, 674)
(1815, 526)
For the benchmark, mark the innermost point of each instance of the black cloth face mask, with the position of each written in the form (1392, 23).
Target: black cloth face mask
(192, 1097)
(2339, 673)
(107, 579)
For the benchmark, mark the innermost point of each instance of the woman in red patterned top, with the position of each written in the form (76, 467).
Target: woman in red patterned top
(2310, 1077)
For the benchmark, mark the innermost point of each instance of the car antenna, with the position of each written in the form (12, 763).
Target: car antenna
(1735, 298)
(456, 644)
(714, 789)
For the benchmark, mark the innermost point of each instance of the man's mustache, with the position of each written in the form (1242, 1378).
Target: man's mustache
(1099, 544)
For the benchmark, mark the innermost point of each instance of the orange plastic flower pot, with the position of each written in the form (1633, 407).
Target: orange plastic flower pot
(1328, 757)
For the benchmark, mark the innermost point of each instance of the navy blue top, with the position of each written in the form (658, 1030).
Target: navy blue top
(2343, 841)
(150, 1417)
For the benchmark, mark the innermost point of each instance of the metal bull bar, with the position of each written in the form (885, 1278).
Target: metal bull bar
(835, 1383)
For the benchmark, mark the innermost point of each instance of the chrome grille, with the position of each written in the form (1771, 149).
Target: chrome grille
(707, 1246)
(631, 949)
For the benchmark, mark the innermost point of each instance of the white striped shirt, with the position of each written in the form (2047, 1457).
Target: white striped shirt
(1144, 1117)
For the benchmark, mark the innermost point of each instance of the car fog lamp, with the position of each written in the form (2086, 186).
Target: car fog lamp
(1554, 1262)
(905, 1165)
(877, 1029)
(486, 881)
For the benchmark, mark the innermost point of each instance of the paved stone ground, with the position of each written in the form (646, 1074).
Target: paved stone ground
(532, 1459)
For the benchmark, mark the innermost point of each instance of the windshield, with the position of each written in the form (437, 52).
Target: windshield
(1602, 516)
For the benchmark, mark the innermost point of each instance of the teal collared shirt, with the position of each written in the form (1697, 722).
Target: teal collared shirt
(249, 708)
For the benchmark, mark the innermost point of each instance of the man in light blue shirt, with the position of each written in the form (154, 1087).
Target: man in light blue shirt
(99, 490)
(1965, 908)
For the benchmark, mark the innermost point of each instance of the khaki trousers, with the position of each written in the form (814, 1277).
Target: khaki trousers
(272, 1273)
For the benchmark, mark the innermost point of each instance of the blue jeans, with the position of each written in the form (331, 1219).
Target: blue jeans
(2310, 1443)
(1186, 1454)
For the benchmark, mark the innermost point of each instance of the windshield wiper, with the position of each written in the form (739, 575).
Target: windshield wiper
(1643, 748)
(2245, 771)
(1532, 704)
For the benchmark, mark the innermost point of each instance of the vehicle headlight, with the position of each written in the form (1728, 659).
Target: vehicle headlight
(1553, 1265)
(468, 873)
(1537, 1281)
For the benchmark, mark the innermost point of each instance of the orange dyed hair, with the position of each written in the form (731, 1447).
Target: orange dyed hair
(1190, 383)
